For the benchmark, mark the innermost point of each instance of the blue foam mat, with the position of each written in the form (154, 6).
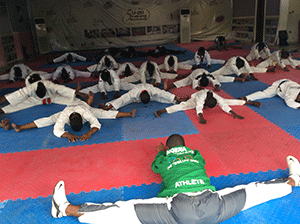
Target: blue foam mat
(282, 210)
(145, 126)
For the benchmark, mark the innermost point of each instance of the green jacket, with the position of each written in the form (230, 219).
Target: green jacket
(182, 170)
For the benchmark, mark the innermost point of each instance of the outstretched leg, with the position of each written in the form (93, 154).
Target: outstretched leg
(126, 114)
(159, 112)
(19, 128)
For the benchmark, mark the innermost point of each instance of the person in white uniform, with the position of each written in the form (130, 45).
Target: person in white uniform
(207, 98)
(259, 50)
(284, 88)
(238, 65)
(171, 64)
(281, 58)
(200, 78)
(39, 93)
(108, 82)
(69, 57)
(75, 115)
(203, 57)
(130, 73)
(17, 72)
(198, 203)
(37, 76)
(67, 74)
(106, 62)
(142, 93)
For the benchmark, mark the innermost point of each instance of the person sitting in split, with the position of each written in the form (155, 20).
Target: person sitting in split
(238, 65)
(75, 116)
(202, 57)
(142, 93)
(162, 51)
(186, 195)
(171, 64)
(284, 88)
(106, 62)
(200, 79)
(17, 72)
(67, 74)
(69, 57)
(281, 58)
(108, 82)
(259, 51)
(207, 98)
(129, 72)
(150, 71)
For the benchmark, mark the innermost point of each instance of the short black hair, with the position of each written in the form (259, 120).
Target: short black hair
(40, 90)
(239, 62)
(127, 71)
(175, 140)
(171, 60)
(145, 97)
(204, 80)
(260, 46)
(284, 54)
(75, 121)
(107, 61)
(210, 101)
(34, 78)
(105, 75)
(150, 68)
(201, 50)
(64, 74)
(69, 58)
(18, 72)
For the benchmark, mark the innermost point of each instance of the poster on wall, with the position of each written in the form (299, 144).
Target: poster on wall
(117, 23)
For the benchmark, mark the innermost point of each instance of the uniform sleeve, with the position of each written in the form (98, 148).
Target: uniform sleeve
(197, 58)
(71, 73)
(120, 70)
(79, 57)
(247, 66)
(12, 74)
(158, 162)
(292, 103)
(292, 62)
(208, 58)
(89, 117)
(157, 74)
(167, 67)
(233, 67)
(117, 81)
(59, 127)
(175, 63)
(200, 102)
(56, 73)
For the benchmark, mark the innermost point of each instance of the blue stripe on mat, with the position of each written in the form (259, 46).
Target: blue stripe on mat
(145, 126)
(283, 210)
(273, 109)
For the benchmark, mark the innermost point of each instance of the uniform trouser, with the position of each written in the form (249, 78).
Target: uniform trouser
(191, 104)
(269, 92)
(136, 77)
(181, 65)
(99, 113)
(235, 200)
(82, 73)
(213, 61)
(108, 88)
(34, 101)
(251, 56)
(225, 70)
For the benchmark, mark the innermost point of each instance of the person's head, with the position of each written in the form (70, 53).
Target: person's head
(201, 51)
(284, 54)
(175, 140)
(34, 78)
(130, 49)
(69, 58)
(260, 46)
(18, 72)
(150, 68)
(41, 90)
(127, 71)
(75, 121)
(105, 76)
(210, 101)
(145, 97)
(171, 61)
(203, 82)
(107, 62)
(64, 74)
(239, 62)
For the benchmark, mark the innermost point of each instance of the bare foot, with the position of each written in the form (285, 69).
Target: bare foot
(133, 113)
(90, 98)
(242, 98)
(166, 84)
(158, 113)
(16, 127)
(78, 86)
(5, 124)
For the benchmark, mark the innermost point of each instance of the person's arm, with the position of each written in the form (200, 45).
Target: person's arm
(94, 125)
(12, 75)
(78, 57)
(159, 162)
(167, 67)
(87, 135)
(208, 59)
(70, 137)
(116, 83)
(197, 58)
(59, 128)
(71, 73)
(202, 120)
(292, 103)
(56, 74)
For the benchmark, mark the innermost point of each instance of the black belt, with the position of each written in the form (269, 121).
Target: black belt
(281, 84)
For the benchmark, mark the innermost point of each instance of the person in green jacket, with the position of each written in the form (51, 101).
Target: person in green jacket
(186, 195)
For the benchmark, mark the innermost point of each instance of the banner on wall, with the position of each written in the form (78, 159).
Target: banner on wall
(87, 24)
